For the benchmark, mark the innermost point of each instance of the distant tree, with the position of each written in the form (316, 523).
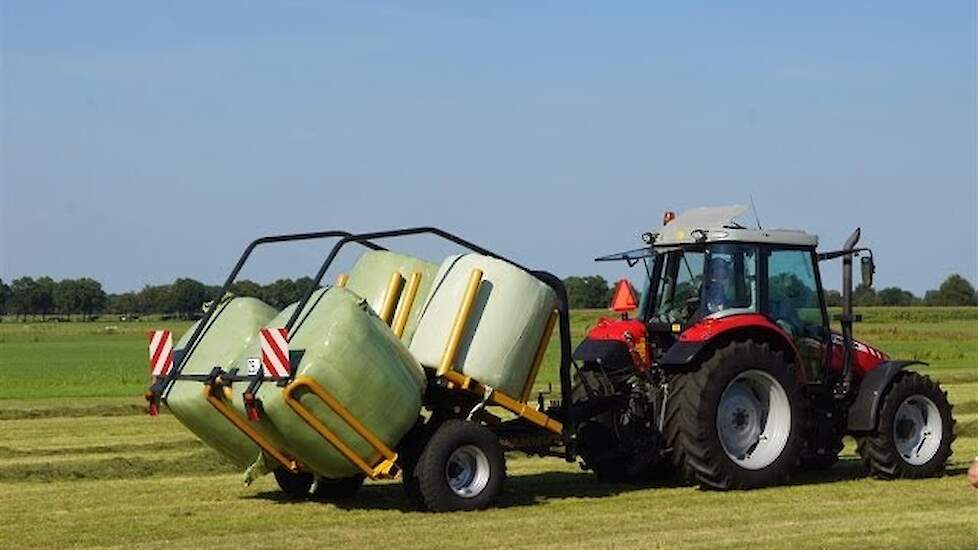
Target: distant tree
(895, 296)
(246, 288)
(125, 303)
(43, 300)
(864, 295)
(833, 298)
(187, 296)
(954, 291)
(92, 297)
(302, 285)
(281, 293)
(155, 299)
(67, 297)
(588, 292)
(22, 292)
(5, 299)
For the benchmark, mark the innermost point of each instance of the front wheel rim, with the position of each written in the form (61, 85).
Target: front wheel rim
(754, 419)
(917, 430)
(467, 471)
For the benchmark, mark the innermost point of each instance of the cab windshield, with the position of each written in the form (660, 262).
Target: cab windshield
(698, 281)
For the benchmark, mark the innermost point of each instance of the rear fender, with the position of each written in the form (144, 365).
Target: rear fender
(699, 340)
(603, 352)
(864, 410)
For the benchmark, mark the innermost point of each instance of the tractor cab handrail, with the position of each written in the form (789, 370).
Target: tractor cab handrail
(823, 256)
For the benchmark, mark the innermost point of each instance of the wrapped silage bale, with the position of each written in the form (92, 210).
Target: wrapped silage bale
(232, 329)
(505, 326)
(371, 275)
(352, 354)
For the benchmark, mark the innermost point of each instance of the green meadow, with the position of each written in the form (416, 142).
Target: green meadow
(81, 465)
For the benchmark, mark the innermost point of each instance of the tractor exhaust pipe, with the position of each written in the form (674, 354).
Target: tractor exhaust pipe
(843, 388)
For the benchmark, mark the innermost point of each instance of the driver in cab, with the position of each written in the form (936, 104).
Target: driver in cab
(715, 290)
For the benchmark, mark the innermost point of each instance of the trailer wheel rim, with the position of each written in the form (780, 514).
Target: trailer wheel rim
(467, 471)
(917, 430)
(754, 419)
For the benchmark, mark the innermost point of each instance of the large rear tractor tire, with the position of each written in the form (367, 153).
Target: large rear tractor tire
(914, 432)
(737, 422)
(462, 468)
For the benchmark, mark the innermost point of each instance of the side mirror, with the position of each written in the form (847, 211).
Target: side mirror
(868, 269)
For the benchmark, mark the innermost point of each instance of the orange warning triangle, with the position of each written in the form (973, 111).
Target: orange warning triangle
(623, 298)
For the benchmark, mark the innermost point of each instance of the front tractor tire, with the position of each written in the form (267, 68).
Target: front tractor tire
(462, 467)
(737, 421)
(914, 432)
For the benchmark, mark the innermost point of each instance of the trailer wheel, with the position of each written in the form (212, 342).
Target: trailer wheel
(462, 467)
(409, 453)
(337, 489)
(295, 485)
(915, 430)
(737, 422)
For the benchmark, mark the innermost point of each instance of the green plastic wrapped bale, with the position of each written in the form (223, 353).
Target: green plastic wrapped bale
(351, 353)
(233, 329)
(371, 275)
(505, 327)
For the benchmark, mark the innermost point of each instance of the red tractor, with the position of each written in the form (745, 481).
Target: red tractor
(730, 374)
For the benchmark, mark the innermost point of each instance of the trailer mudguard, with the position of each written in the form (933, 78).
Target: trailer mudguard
(864, 410)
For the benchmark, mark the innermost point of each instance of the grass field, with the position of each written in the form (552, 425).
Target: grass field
(81, 465)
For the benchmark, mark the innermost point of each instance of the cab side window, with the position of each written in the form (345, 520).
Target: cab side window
(792, 299)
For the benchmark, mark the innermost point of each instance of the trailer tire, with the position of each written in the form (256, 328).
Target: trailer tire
(462, 467)
(409, 453)
(913, 409)
(737, 422)
(337, 489)
(295, 485)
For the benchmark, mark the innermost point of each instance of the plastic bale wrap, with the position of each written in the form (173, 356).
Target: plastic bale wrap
(505, 327)
(371, 275)
(233, 328)
(351, 353)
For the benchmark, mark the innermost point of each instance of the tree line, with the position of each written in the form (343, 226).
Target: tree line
(44, 298)
(594, 292)
(27, 297)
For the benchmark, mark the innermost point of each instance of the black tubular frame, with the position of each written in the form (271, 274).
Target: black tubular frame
(162, 387)
(366, 239)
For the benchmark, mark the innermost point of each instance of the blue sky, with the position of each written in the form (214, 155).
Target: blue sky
(148, 140)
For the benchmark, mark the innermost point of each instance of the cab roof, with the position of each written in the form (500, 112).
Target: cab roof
(710, 224)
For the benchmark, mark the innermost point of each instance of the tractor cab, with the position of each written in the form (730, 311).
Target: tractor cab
(706, 273)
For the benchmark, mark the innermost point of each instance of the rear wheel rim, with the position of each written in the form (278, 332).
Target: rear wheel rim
(917, 430)
(754, 419)
(467, 471)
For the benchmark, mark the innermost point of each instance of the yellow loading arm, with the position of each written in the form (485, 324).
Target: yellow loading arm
(518, 407)
(386, 468)
(241, 424)
(538, 357)
(407, 302)
(391, 297)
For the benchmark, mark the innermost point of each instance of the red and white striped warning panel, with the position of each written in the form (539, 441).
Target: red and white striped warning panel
(275, 352)
(160, 352)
